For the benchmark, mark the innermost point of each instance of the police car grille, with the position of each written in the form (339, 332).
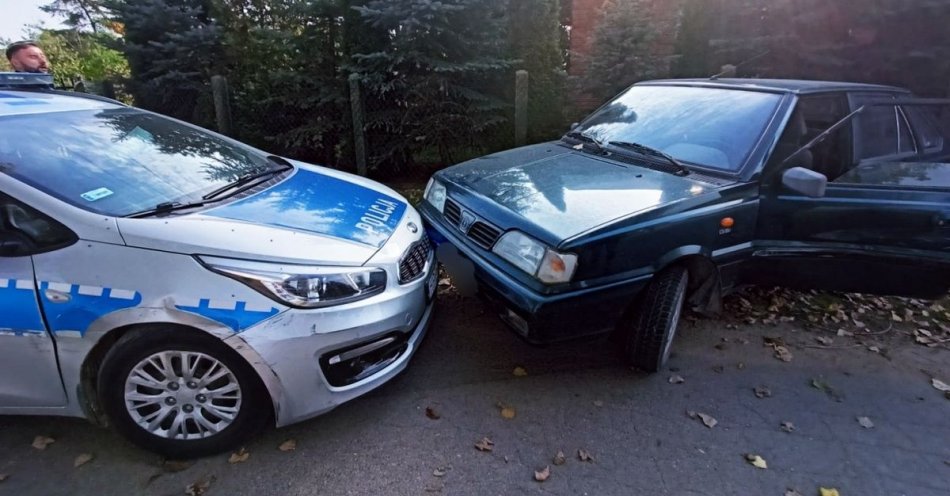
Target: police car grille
(483, 235)
(452, 212)
(413, 263)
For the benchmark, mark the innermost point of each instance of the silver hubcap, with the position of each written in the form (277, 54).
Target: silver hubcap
(182, 395)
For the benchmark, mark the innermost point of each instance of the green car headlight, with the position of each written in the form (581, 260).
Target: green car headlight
(535, 258)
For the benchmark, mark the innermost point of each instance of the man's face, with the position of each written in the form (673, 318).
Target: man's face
(30, 59)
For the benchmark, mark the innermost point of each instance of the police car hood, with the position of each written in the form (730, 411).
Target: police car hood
(316, 216)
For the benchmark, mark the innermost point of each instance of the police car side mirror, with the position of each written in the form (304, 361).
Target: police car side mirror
(805, 181)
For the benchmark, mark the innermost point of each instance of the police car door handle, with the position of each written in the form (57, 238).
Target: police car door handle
(54, 296)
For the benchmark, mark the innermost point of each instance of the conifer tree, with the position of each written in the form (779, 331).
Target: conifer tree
(621, 52)
(535, 33)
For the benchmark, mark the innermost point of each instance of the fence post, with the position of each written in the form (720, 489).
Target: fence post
(222, 104)
(108, 89)
(359, 138)
(521, 107)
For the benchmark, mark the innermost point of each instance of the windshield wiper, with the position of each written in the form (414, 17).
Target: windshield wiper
(239, 184)
(681, 169)
(586, 138)
(166, 207)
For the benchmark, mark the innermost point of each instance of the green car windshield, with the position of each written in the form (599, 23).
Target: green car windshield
(710, 127)
(119, 161)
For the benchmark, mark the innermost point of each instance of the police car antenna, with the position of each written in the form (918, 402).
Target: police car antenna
(740, 64)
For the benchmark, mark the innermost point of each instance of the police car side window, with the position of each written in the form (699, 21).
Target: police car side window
(26, 231)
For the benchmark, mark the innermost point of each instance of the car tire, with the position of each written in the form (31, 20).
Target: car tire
(159, 404)
(655, 319)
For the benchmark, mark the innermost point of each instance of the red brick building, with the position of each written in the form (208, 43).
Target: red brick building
(582, 16)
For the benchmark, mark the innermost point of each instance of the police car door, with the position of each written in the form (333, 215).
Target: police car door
(29, 373)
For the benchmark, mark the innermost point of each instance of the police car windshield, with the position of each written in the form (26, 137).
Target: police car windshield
(119, 161)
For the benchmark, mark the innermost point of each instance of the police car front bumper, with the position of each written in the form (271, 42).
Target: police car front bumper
(319, 359)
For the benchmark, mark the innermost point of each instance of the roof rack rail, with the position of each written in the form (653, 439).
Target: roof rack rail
(19, 80)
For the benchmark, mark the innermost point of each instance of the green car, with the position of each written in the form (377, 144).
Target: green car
(677, 192)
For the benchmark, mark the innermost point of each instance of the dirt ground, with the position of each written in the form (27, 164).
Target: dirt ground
(772, 378)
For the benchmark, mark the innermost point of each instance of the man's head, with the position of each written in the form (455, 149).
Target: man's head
(25, 56)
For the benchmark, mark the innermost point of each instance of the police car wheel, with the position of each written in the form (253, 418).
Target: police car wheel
(657, 315)
(181, 393)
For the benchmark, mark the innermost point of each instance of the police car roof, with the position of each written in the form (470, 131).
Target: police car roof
(14, 102)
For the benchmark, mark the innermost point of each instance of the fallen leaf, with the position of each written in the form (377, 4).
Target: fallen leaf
(707, 420)
(940, 385)
(874, 349)
(676, 379)
(439, 472)
(740, 365)
(865, 422)
(584, 455)
(559, 458)
(762, 392)
(172, 466)
(824, 340)
(598, 403)
(484, 444)
(579, 146)
(41, 442)
(792, 492)
(508, 413)
(432, 414)
(82, 459)
(542, 475)
(756, 461)
(519, 372)
(199, 487)
(827, 389)
(828, 492)
(4, 477)
(783, 354)
(844, 333)
(787, 427)
(239, 457)
(288, 445)
(895, 317)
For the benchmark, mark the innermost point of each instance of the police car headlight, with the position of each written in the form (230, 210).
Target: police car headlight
(435, 194)
(533, 257)
(305, 287)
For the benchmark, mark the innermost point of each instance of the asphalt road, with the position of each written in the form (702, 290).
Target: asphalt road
(577, 396)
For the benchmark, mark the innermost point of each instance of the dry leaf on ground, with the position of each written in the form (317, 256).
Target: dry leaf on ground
(598, 403)
(940, 385)
(439, 472)
(240, 456)
(41, 442)
(762, 392)
(707, 420)
(825, 341)
(584, 455)
(756, 461)
(432, 414)
(787, 427)
(827, 389)
(82, 459)
(288, 445)
(559, 458)
(865, 422)
(828, 492)
(519, 372)
(4, 477)
(172, 466)
(484, 444)
(507, 412)
(676, 379)
(792, 492)
(542, 475)
(199, 487)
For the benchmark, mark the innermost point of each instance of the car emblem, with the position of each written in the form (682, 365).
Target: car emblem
(413, 228)
(466, 222)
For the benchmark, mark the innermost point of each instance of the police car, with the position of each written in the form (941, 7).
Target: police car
(187, 288)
